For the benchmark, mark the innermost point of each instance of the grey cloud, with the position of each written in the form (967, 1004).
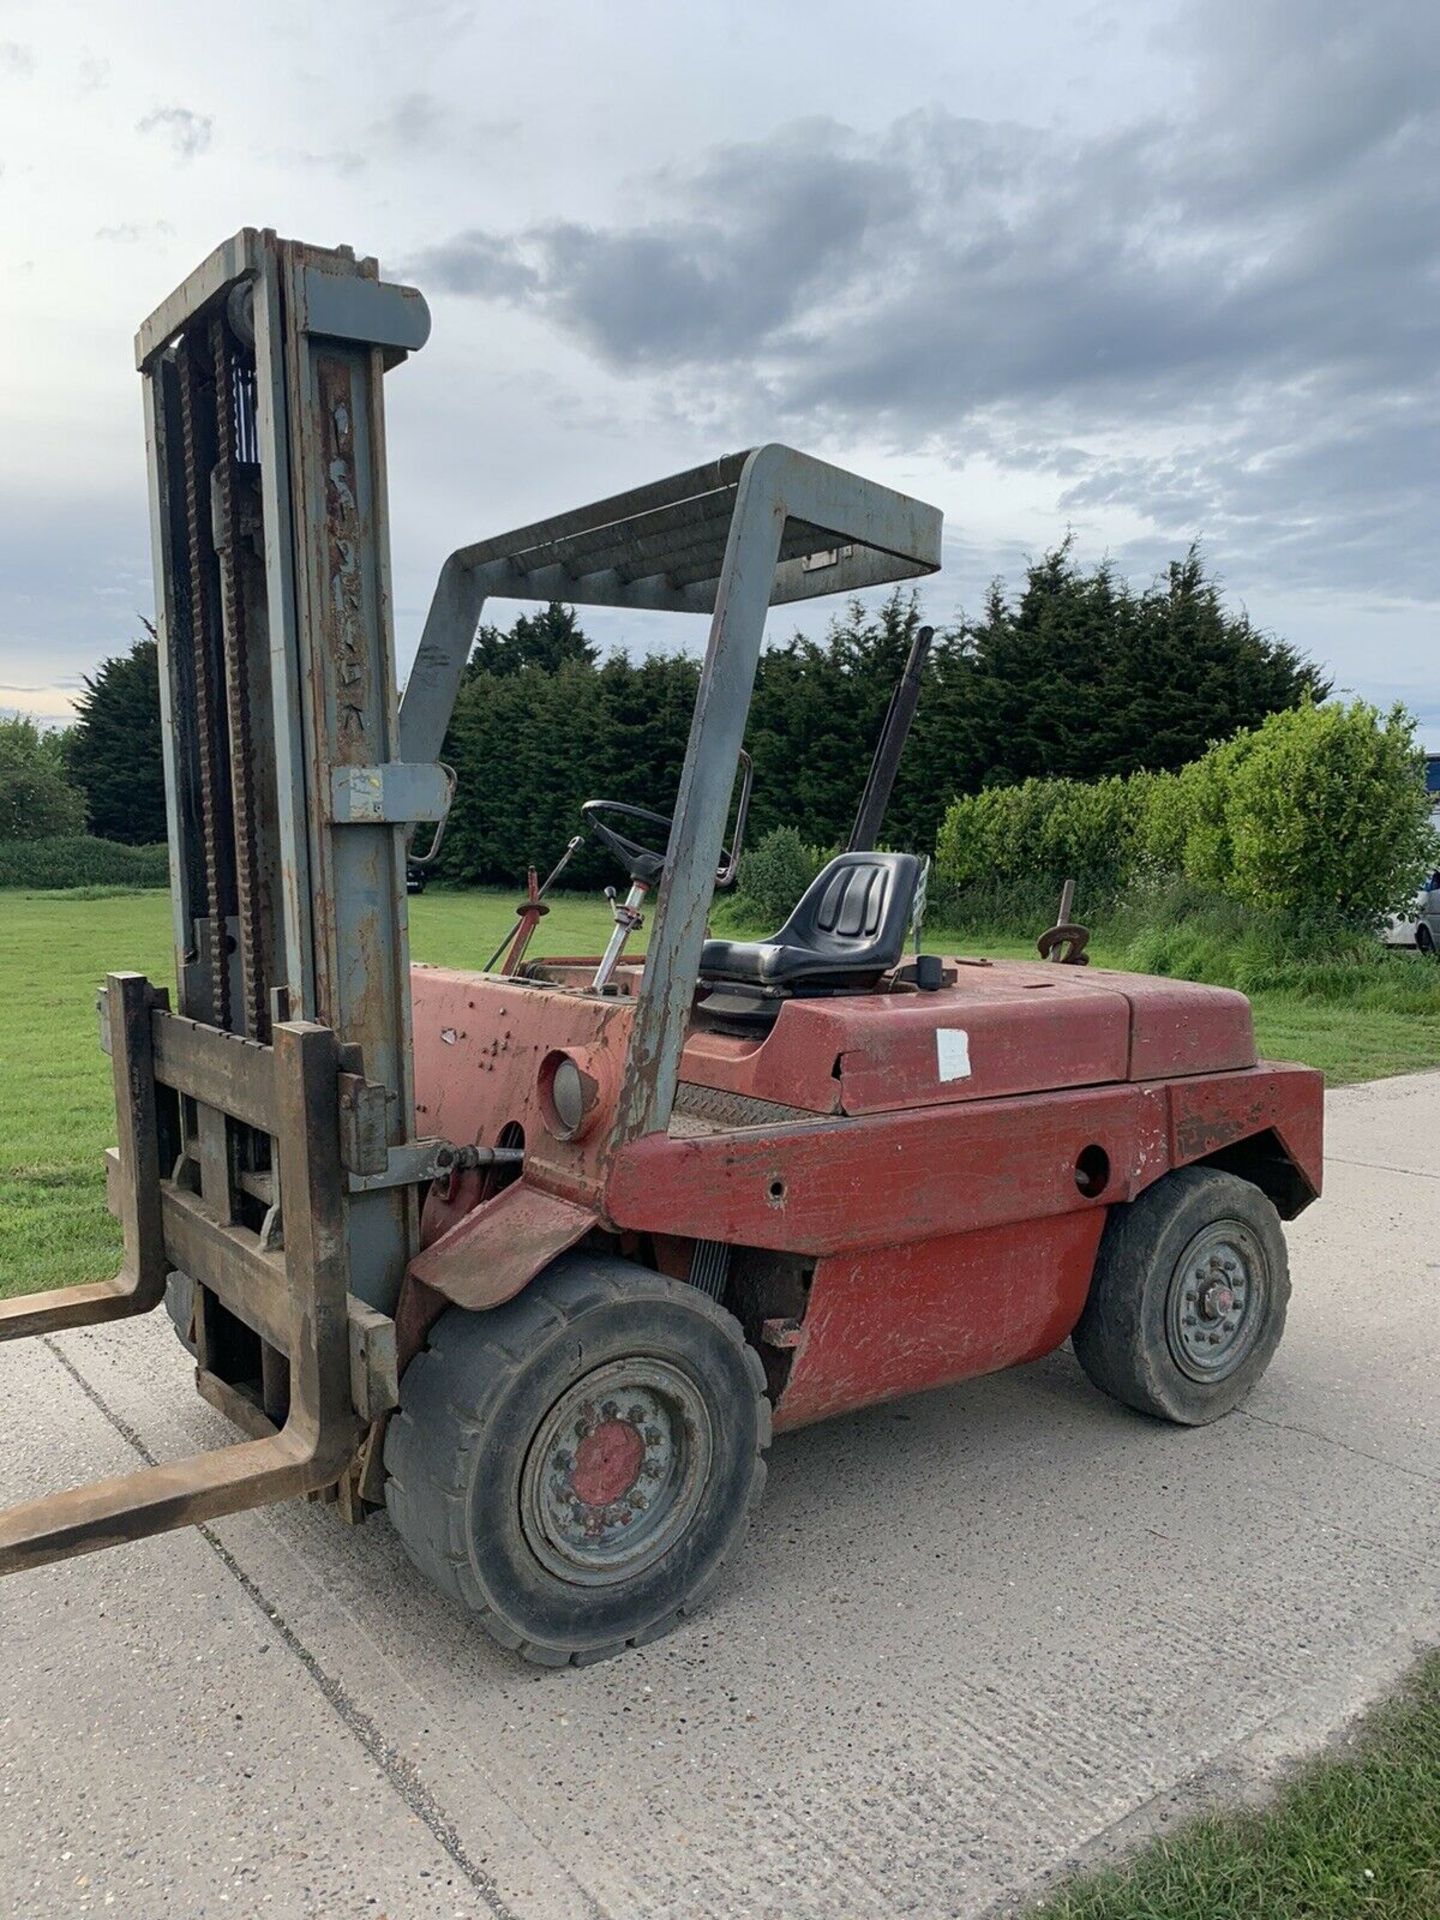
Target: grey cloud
(762, 227)
(415, 123)
(187, 132)
(130, 232)
(414, 120)
(16, 59)
(1249, 280)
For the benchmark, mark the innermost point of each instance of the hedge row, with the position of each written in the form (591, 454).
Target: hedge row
(81, 861)
(1321, 811)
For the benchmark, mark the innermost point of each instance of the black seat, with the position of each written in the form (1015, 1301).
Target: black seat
(848, 929)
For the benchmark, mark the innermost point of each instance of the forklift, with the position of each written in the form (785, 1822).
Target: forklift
(537, 1255)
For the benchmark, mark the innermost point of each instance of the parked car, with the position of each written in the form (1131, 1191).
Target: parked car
(416, 877)
(1420, 928)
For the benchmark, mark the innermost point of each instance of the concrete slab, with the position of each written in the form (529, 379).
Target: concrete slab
(973, 1637)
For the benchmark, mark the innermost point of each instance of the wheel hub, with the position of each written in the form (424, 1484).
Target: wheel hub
(616, 1471)
(1216, 1302)
(607, 1463)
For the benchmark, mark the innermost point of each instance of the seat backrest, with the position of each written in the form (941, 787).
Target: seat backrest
(856, 908)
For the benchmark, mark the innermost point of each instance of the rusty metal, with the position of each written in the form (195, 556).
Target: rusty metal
(268, 1159)
(305, 1307)
(494, 1251)
(244, 773)
(140, 1284)
(951, 1222)
(211, 748)
(1066, 941)
(531, 911)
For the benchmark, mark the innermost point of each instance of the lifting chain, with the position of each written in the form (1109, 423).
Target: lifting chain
(202, 654)
(237, 688)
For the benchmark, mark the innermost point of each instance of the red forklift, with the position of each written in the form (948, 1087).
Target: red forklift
(536, 1256)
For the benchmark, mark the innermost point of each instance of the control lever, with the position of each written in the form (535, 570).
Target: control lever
(628, 920)
(532, 911)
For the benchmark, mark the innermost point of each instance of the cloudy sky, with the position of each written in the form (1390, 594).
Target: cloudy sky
(1149, 271)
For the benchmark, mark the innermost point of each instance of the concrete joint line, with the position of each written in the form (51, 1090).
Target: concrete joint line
(400, 1774)
(1328, 1440)
(1379, 1166)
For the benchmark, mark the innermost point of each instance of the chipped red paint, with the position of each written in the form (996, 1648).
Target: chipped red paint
(607, 1463)
(486, 1258)
(448, 1201)
(905, 1318)
(1206, 1115)
(921, 1149)
(842, 1185)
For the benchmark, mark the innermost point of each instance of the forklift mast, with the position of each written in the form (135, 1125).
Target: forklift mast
(266, 1149)
(288, 804)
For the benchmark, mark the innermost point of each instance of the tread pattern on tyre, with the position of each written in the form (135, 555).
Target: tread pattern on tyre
(451, 1389)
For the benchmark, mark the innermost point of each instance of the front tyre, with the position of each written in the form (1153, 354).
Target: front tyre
(1187, 1304)
(576, 1465)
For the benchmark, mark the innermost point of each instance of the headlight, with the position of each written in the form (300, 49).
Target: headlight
(567, 1095)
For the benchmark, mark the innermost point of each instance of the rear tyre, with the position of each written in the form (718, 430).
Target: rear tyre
(1187, 1304)
(1424, 939)
(576, 1465)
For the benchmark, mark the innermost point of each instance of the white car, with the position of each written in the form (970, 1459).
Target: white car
(1419, 928)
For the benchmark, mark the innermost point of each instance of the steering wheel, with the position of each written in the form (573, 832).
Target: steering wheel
(641, 863)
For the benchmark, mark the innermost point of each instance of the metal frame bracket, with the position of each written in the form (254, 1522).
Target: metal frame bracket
(394, 795)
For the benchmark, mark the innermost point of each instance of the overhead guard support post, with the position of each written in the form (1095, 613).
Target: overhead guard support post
(697, 828)
(776, 485)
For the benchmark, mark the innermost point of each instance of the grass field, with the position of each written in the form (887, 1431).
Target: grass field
(55, 1101)
(56, 1108)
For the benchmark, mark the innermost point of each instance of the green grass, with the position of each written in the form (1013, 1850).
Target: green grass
(56, 1106)
(55, 1101)
(1353, 1836)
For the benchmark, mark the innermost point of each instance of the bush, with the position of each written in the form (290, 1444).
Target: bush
(1327, 813)
(79, 861)
(997, 910)
(1042, 832)
(1318, 814)
(36, 797)
(1171, 928)
(773, 875)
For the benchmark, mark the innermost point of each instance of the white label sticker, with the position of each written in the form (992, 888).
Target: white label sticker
(952, 1053)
